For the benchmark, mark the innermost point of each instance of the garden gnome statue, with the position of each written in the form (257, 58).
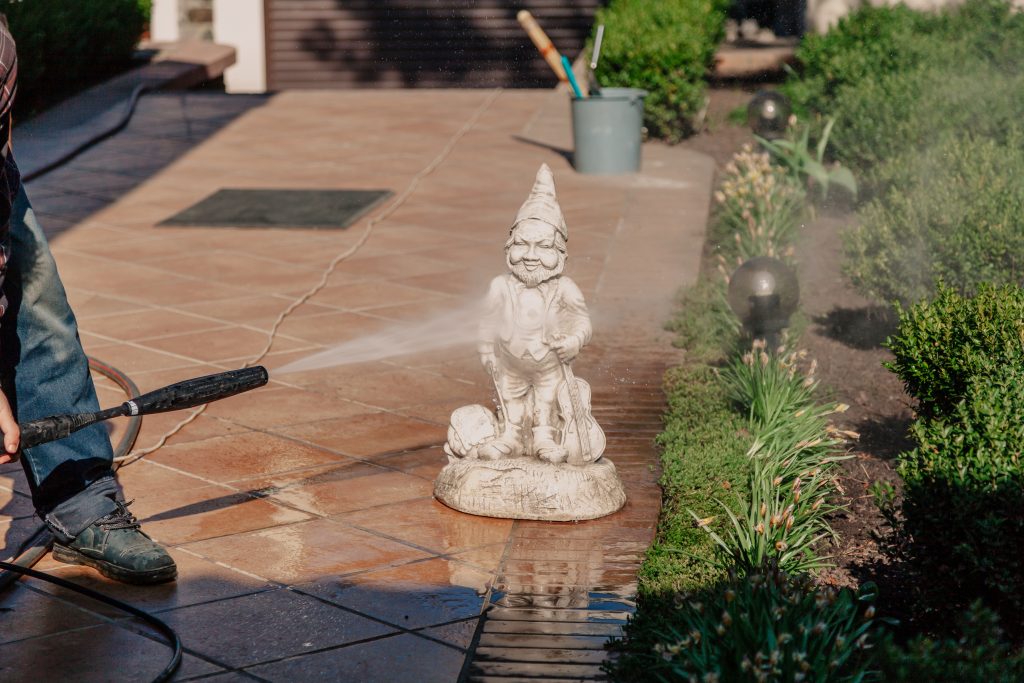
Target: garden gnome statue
(540, 457)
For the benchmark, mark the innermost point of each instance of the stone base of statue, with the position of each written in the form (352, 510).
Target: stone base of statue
(526, 488)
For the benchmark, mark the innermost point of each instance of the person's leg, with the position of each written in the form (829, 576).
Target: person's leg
(72, 482)
(71, 479)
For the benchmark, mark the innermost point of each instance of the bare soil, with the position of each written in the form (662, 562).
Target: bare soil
(845, 334)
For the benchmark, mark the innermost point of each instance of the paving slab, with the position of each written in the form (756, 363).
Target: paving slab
(302, 513)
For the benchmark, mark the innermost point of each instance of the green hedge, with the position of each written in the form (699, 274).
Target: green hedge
(964, 492)
(943, 345)
(896, 80)
(666, 48)
(952, 212)
(962, 358)
(65, 45)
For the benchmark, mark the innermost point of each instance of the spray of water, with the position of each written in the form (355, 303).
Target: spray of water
(451, 328)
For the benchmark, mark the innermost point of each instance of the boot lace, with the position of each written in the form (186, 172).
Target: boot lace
(119, 518)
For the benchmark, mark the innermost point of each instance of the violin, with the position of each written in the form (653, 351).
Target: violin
(582, 437)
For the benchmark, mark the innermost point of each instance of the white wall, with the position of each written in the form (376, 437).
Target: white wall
(239, 23)
(163, 25)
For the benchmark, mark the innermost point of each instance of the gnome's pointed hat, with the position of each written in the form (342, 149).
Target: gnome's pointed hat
(542, 204)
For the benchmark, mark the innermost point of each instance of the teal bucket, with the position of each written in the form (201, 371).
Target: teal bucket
(606, 131)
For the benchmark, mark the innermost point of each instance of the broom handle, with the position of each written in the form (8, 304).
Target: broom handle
(542, 43)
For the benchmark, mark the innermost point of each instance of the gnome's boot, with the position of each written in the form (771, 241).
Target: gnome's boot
(546, 446)
(508, 444)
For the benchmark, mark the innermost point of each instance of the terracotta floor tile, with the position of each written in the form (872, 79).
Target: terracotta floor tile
(399, 387)
(28, 614)
(241, 456)
(15, 532)
(398, 658)
(12, 504)
(342, 488)
(272, 407)
(91, 305)
(460, 634)
(223, 344)
(277, 624)
(413, 595)
(373, 295)
(145, 478)
(487, 558)
(369, 434)
(331, 329)
(228, 267)
(394, 266)
(134, 358)
(198, 581)
(253, 310)
(143, 324)
(306, 552)
(84, 655)
(174, 517)
(425, 462)
(155, 426)
(423, 313)
(441, 412)
(432, 525)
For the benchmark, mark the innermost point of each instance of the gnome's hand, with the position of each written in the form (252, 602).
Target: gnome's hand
(566, 346)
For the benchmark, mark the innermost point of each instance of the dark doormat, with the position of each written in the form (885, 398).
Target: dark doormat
(230, 208)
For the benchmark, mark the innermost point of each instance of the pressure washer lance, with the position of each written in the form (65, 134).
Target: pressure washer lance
(178, 396)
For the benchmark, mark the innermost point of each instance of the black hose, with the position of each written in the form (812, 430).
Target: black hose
(173, 641)
(41, 540)
(126, 116)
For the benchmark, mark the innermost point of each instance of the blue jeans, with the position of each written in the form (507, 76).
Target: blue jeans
(41, 357)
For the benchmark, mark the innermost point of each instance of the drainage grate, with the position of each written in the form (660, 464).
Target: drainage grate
(253, 208)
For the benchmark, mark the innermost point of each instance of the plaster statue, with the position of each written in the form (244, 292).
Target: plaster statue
(540, 457)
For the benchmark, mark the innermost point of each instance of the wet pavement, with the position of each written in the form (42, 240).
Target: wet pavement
(301, 517)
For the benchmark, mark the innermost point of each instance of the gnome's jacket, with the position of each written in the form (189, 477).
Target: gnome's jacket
(565, 311)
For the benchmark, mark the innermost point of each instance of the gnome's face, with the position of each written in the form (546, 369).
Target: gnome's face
(535, 252)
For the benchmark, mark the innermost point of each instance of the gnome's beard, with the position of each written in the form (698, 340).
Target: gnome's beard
(532, 278)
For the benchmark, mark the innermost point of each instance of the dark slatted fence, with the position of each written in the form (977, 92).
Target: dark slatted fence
(417, 43)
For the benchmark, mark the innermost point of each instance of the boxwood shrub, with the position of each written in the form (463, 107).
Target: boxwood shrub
(962, 358)
(952, 212)
(964, 492)
(665, 48)
(64, 45)
(943, 345)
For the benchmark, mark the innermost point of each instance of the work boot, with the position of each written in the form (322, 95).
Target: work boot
(116, 547)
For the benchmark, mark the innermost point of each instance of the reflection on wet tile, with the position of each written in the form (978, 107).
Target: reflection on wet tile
(487, 557)
(459, 634)
(432, 525)
(267, 626)
(405, 657)
(306, 552)
(412, 596)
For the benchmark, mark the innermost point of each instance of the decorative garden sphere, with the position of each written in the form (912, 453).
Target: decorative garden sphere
(768, 114)
(764, 293)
